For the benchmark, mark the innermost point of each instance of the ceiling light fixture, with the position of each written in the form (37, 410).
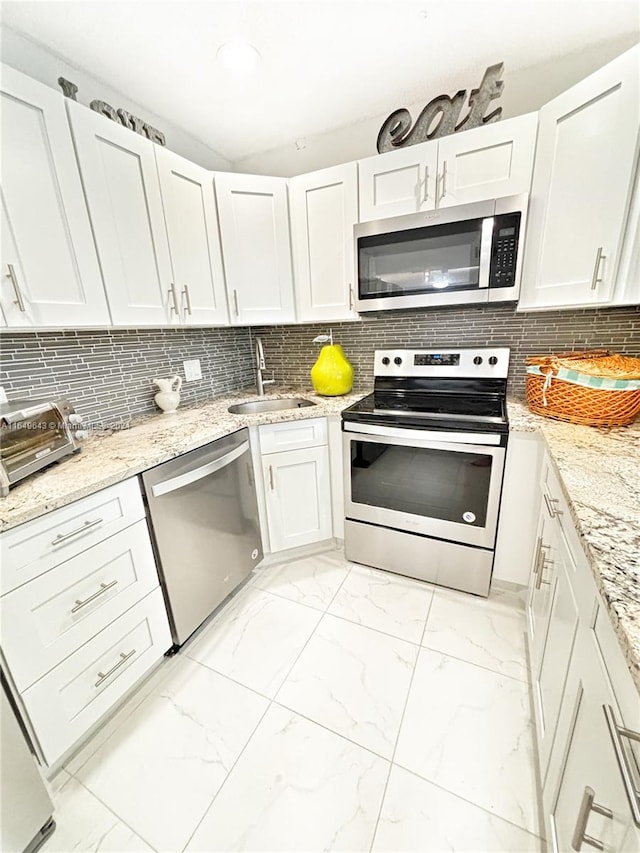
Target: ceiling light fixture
(239, 57)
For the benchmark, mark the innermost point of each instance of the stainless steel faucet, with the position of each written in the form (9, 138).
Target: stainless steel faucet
(260, 366)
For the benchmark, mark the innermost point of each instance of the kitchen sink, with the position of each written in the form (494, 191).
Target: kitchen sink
(255, 407)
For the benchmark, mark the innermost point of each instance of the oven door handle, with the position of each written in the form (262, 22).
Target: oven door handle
(420, 437)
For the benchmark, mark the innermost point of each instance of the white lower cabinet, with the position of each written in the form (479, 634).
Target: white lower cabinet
(65, 703)
(579, 676)
(297, 483)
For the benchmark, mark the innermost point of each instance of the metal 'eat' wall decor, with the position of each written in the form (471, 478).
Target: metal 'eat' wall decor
(441, 115)
(120, 116)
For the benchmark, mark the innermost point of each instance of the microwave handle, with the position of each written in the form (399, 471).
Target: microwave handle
(486, 241)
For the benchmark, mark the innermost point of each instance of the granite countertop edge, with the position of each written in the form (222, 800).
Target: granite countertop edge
(111, 456)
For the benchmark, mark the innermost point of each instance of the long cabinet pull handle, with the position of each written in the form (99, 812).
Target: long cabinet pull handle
(19, 301)
(62, 537)
(103, 588)
(536, 558)
(235, 303)
(271, 482)
(443, 185)
(552, 509)
(123, 659)
(587, 806)
(542, 562)
(617, 733)
(187, 299)
(351, 299)
(596, 279)
(425, 197)
(173, 296)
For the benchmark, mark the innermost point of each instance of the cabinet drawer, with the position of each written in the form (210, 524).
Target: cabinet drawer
(293, 435)
(65, 703)
(46, 620)
(33, 548)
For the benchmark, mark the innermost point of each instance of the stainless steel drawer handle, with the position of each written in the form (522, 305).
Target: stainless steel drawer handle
(123, 659)
(62, 537)
(103, 588)
(19, 301)
(173, 296)
(236, 310)
(271, 483)
(351, 299)
(543, 562)
(595, 281)
(617, 733)
(587, 806)
(187, 299)
(443, 186)
(553, 510)
(425, 197)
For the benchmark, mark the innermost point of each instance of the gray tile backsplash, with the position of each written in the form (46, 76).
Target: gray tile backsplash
(107, 374)
(289, 350)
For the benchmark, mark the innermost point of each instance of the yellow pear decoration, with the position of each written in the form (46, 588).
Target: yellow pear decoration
(331, 375)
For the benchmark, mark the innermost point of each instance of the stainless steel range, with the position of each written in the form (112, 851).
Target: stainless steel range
(423, 463)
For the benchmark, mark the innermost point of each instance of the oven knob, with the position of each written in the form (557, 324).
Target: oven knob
(493, 360)
(477, 359)
(397, 360)
(386, 360)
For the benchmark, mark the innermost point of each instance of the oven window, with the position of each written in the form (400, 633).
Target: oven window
(448, 485)
(433, 259)
(28, 440)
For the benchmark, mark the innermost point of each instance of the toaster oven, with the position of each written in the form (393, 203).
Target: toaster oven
(33, 434)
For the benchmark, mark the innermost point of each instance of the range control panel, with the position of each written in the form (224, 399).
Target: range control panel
(504, 250)
(476, 362)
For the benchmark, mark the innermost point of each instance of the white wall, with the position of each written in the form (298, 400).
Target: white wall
(41, 64)
(525, 90)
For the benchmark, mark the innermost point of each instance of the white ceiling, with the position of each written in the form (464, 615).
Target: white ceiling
(326, 63)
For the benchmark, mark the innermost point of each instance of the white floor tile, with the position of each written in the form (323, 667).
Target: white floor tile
(83, 823)
(161, 769)
(354, 681)
(390, 603)
(297, 787)
(256, 639)
(469, 730)
(312, 581)
(478, 630)
(418, 817)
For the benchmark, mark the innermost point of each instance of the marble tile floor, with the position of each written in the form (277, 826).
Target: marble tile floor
(327, 706)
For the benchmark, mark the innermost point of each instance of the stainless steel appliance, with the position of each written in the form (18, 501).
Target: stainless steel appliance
(469, 253)
(33, 434)
(204, 517)
(423, 463)
(25, 805)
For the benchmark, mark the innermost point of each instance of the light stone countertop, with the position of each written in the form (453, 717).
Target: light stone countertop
(599, 473)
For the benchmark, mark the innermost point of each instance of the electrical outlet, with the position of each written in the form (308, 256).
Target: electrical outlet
(192, 369)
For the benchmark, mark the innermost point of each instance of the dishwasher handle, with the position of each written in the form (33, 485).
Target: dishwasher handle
(189, 477)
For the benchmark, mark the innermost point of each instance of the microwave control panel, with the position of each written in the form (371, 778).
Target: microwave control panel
(504, 252)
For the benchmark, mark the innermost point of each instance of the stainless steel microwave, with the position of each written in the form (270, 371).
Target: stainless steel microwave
(453, 256)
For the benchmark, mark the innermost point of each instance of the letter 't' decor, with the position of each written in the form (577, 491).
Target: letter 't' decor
(441, 116)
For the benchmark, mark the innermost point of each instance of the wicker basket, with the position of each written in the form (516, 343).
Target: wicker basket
(593, 387)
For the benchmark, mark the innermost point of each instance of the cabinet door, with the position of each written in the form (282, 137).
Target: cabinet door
(487, 162)
(398, 182)
(254, 228)
(121, 185)
(550, 676)
(324, 209)
(590, 763)
(50, 271)
(298, 497)
(584, 165)
(194, 242)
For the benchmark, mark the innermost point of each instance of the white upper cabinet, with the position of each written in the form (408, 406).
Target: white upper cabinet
(582, 180)
(324, 209)
(50, 271)
(398, 182)
(472, 165)
(487, 162)
(123, 194)
(194, 242)
(256, 248)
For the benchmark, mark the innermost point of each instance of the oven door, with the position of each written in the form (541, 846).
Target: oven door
(445, 485)
(435, 258)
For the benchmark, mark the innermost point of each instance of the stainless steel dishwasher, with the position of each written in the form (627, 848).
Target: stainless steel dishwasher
(204, 518)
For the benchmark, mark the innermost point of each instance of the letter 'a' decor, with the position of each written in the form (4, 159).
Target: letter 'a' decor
(441, 116)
